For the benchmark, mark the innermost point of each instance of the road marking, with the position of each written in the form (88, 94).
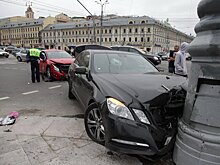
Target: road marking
(58, 86)
(4, 98)
(27, 93)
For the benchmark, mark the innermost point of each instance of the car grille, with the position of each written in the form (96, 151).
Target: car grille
(63, 67)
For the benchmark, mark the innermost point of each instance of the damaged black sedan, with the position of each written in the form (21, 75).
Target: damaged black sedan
(130, 106)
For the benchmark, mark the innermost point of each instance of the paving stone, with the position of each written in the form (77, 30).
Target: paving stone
(32, 125)
(81, 143)
(14, 158)
(55, 161)
(22, 138)
(66, 127)
(37, 142)
(8, 146)
(40, 155)
(57, 143)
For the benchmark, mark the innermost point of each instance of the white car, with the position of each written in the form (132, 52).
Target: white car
(3, 53)
(21, 55)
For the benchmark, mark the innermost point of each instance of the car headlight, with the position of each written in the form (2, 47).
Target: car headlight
(142, 117)
(156, 58)
(56, 68)
(118, 108)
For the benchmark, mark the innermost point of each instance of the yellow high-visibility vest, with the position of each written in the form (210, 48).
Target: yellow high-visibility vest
(35, 53)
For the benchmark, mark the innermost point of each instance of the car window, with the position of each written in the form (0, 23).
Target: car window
(133, 50)
(24, 51)
(83, 59)
(117, 63)
(58, 54)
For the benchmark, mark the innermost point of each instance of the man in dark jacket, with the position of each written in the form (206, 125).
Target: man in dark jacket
(33, 56)
(171, 59)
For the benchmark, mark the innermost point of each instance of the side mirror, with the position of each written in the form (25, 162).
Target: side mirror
(81, 70)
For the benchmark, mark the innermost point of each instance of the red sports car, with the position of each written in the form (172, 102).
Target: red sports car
(56, 64)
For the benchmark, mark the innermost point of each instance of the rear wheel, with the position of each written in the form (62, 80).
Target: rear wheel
(19, 59)
(94, 124)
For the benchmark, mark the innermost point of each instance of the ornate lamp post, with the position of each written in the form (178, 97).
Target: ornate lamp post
(198, 138)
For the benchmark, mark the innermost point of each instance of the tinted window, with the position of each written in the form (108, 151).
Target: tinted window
(83, 59)
(134, 51)
(118, 63)
(58, 54)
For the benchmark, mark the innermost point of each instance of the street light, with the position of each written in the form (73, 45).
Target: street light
(93, 19)
(102, 4)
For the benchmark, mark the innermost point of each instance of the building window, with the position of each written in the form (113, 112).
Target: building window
(136, 30)
(129, 39)
(63, 33)
(116, 39)
(83, 32)
(116, 31)
(97, 39)
(63, 40)
(142, 22)
(142, 39)
(72, 40)
(97, 31)
(79, 32)
(109, 39)
(105, 39)
(106, 31)
(83, 40)
(124, 39)
(110, 31)
(69, 40)
(148, 39)
(148, 30)
(130, 30)
(131, 22)
(135, 39)
(79, 39)
(87, 40)
(69, 32)
(66, 33)
(142, 30)
(76, 32)
(72, 32)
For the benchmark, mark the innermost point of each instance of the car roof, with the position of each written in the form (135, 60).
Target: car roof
(53, 50)
(93, 51)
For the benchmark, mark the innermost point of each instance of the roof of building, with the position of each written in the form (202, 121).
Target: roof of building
(29, 9)
(23, 23)
(119, 21)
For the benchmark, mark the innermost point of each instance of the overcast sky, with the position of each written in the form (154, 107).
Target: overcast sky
(182, 14)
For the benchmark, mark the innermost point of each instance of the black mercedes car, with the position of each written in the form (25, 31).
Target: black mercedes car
(128, 109)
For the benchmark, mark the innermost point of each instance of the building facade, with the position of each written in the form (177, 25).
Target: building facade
(25, 33)
(143, 32)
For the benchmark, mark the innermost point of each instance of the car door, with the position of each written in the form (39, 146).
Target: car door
(23, 55)
(81, 85)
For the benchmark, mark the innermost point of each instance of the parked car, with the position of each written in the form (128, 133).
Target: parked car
(9, 49)
(163, 55)
(21, 55)
(155, 59)
(16, 50)
(56, 64)
(4, 53)
(78, 49)
(128, 109)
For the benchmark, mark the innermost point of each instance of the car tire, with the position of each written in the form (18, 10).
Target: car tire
(70, 94)
(94, 124)
(7, 56)
(19, 59)
(48, 73)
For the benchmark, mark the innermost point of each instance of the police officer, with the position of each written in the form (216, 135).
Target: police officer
(33, 56)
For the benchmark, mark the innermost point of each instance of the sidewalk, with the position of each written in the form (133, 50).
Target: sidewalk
(54, 141)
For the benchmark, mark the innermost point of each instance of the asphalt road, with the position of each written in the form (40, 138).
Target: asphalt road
(17, 93)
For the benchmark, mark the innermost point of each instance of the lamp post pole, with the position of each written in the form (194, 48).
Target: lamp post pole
(101, 20)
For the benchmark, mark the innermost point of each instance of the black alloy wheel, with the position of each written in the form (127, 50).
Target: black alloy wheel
(94, 124)
(19, 59)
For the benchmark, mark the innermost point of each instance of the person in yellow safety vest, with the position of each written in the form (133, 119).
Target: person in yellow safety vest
(33, 56)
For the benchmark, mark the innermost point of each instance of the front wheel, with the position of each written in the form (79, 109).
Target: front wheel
(48, 73)
(19, 59)
(94, 124)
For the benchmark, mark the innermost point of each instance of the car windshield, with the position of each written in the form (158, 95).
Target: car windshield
(58, 54)
(117, 63)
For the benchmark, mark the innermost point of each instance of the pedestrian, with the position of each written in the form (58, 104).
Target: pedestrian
(171, 67)
(180, 60)
(33, 56)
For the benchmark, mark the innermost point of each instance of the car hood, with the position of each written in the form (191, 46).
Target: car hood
(143, 87)
(62, 60)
